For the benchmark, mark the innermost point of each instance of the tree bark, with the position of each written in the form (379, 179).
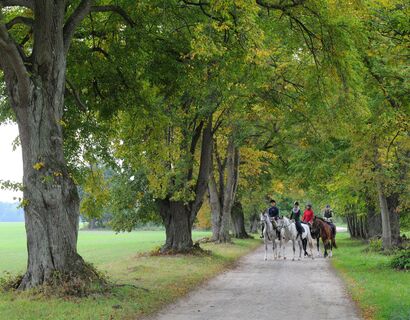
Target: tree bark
(238, 221)
(385, 215)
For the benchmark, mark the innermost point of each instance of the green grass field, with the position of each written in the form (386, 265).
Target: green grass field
(381, 292)
(98, 247)
(158, 280)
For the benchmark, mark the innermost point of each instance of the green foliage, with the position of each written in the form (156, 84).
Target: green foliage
(401, 261)
(375, 245)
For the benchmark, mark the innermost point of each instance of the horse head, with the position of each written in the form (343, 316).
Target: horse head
(264, 216)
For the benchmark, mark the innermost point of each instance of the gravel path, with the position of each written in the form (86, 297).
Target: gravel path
(256, 289)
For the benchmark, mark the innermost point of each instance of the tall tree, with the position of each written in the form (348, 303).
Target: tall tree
(34, 70)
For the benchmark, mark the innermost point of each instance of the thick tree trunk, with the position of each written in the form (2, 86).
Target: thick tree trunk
(178, 228)
(238, 221)
(385, 215)
(374, 221)
(51, 201)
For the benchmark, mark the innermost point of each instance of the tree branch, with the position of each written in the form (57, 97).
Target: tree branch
(294, 3)
(13, 66)
(20, 3)
(115, 9)
(19, 19)
(76, 95)
(74, 20)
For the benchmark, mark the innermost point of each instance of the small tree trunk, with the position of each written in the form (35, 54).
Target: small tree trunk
(238, 221)
(385, 214)
(392, 204)
(92, 224)
(254, 223)
(215, 207)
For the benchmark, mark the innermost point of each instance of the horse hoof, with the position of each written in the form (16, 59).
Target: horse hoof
(266, 259)
(293, 259)
(299, 259)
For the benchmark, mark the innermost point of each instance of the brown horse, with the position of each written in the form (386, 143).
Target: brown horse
(326, 232)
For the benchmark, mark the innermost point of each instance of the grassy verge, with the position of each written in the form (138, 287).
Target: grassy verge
(381, 292)
(150, 282)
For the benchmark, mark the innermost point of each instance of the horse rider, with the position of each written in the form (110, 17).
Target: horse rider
(296, 213)
(308, 215)
(273, 213)
(328, 214)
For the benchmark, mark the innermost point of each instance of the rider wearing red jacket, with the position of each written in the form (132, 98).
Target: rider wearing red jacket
(308, 215)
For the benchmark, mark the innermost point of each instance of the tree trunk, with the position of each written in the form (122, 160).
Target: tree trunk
(374, 221)
(385, 215)
(178, 228)
(238, 221)
(215, 205)
(51, 202)
(392, 205)
(92, 224)
(254, 223)
(229, 191)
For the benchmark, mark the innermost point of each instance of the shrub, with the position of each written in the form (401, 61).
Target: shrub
(375, 245)
(401, 261)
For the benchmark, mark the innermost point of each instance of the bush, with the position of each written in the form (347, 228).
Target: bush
(375, 245)
(401, 261)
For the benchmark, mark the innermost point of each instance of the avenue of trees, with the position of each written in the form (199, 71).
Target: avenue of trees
(147, 109)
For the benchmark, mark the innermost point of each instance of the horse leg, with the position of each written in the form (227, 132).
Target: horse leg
(294, 249)
(304, 243)
(311, 247)
(274, 248)
(330, 254)
(266, 247)
(325, 245)
(317, 245)
(300, 242)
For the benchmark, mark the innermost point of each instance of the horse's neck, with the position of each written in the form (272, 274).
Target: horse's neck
(268, 225)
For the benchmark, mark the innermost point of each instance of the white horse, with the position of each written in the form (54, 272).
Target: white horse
(291, 234)
(269, 234)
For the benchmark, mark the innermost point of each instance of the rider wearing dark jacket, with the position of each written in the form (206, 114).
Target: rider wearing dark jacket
(273, 212)
(328, 212)
(296, 213)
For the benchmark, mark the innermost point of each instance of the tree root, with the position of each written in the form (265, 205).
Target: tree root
(195, 250)
(80, 283)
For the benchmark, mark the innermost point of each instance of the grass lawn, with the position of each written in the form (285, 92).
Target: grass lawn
(381, 292)
(159, 280)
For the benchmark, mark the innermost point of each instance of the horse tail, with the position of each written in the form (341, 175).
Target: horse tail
(334, 243)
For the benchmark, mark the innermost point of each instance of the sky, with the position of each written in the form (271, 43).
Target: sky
(11, 163)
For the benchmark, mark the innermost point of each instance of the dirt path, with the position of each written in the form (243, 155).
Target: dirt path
(256, 289)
